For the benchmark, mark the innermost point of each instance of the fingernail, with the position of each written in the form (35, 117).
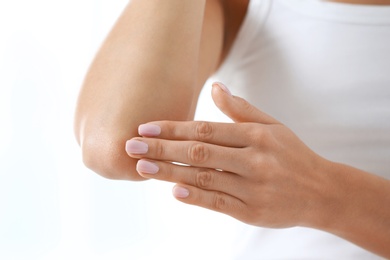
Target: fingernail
(180, 192)
(147, 167)
(223, 87)
(149, 130)
(136, 147)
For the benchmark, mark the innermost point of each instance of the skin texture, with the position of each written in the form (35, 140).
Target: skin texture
(265, 177)
(131, 82)
(138, 76)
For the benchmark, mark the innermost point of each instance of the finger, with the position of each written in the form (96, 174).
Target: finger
(213, 200)
(224, 134)
(188, 152)
(238, 109)
(203, 178)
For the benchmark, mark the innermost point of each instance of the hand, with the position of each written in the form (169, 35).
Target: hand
(255, 170)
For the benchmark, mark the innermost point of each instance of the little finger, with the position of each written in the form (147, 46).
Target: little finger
(213, 200)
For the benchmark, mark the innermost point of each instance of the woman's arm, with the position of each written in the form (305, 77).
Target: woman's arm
(151, 67)
(357, 208)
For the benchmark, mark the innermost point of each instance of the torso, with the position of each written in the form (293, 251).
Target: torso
(321, 69)
(235, 11)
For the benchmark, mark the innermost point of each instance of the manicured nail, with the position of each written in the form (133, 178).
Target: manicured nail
(180, 192)
(149, 130)
(136, 147)
(147, 167)
(223, 87)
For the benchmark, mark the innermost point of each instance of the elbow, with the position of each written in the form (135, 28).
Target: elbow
(109, 159)
(103, 149)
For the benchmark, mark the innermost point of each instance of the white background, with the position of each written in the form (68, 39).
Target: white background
(51, 206)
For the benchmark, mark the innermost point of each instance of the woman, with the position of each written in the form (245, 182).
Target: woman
(319, 67)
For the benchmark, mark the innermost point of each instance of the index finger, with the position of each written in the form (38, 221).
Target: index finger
(224, 134)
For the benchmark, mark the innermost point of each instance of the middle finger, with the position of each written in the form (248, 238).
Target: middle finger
(188, 152)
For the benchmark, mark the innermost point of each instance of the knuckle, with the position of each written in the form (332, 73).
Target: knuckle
(204, 179)
(198, 153)
(219, 202)
(257, 162)
(260, 134)
(159, 150)
(166, 125)
(203, 130)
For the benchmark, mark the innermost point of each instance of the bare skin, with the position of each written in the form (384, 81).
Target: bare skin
(130, 83)
(266, 176)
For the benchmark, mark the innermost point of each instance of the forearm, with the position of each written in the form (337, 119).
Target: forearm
(357, 208)
(145, 70)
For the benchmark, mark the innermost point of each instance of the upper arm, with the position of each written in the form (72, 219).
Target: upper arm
(211, 46)
(223, 20)
(123, 90)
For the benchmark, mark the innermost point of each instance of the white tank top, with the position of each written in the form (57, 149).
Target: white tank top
(323, 69)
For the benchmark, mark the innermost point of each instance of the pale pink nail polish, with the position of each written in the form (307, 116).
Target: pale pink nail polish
(180, 192)
(149, 130)
(136, 147)
(223, 87)
(147, 167)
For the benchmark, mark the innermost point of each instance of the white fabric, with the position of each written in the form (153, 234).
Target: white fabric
(323, 69)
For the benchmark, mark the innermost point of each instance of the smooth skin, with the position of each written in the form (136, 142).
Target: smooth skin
(131, 82)
(142, 73)
(138, 76)
(258, 171)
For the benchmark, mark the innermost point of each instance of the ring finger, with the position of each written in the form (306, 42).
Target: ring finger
(203, 178)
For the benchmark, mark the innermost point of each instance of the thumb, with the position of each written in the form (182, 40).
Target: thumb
(238, 109)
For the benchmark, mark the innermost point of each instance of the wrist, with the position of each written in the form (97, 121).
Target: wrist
(353, 205)
(329, 202)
